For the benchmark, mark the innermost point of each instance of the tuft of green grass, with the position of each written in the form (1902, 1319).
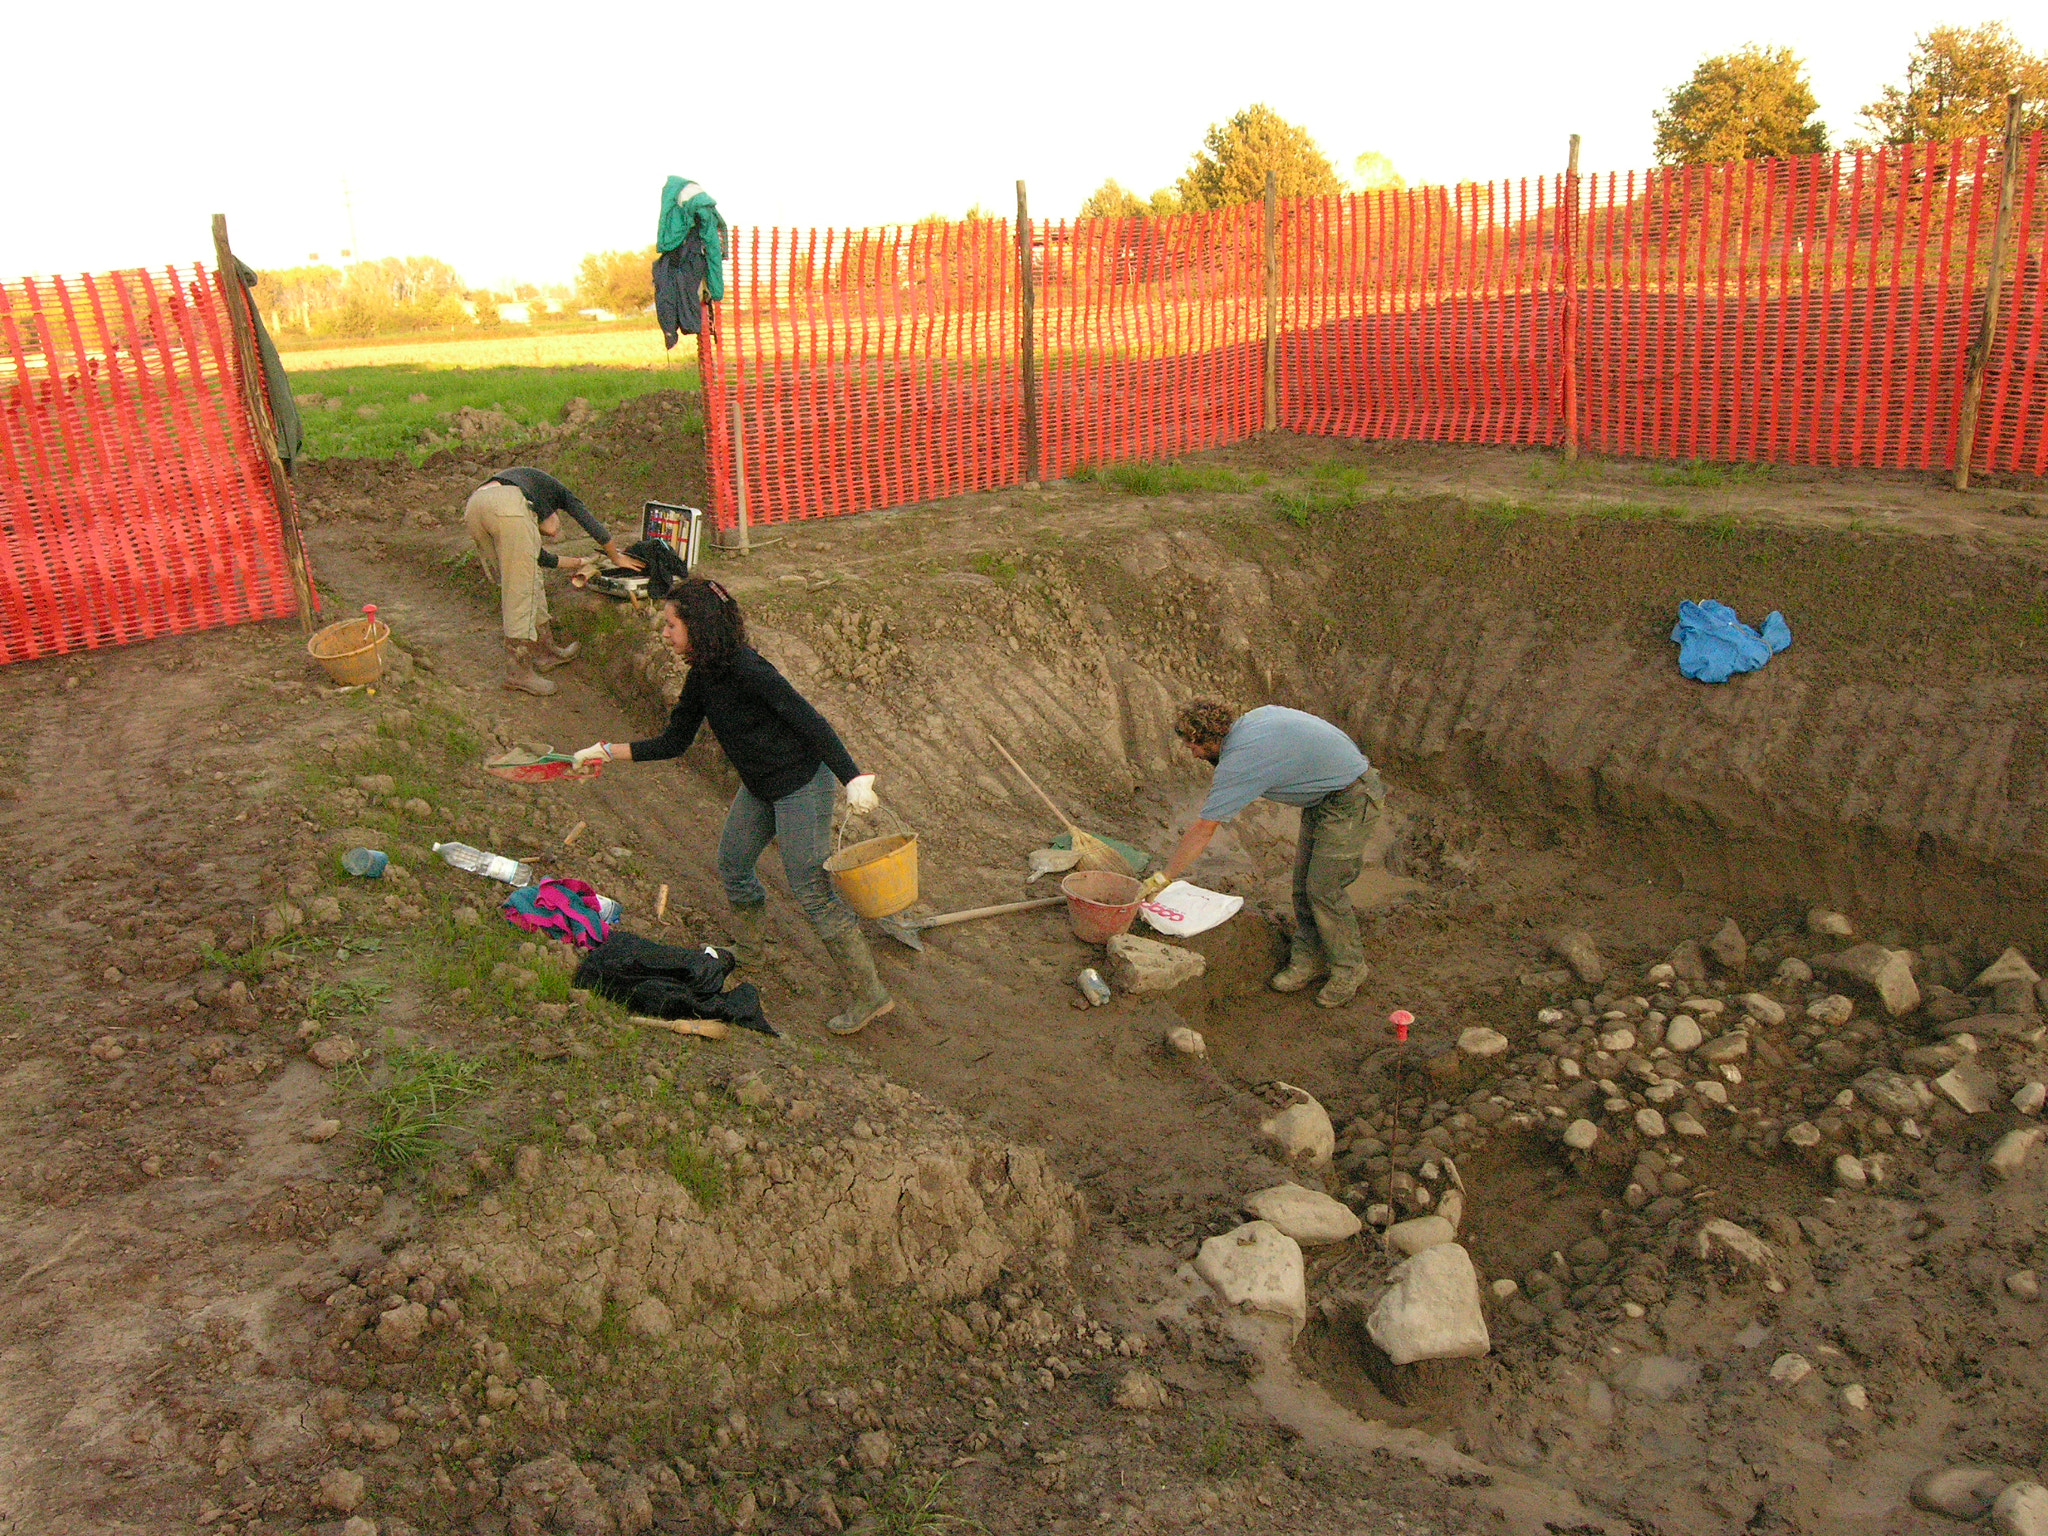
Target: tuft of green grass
(1166, 479)
(1633, 512)
(698, 1172)
(421, 1088)
(1502, 510)
(374, 412)
(995, 567)
(345, 999)
(1341, 475)
(909, 1506)
(1703, 476)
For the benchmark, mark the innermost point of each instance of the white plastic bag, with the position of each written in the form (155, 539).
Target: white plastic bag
(1183, 910)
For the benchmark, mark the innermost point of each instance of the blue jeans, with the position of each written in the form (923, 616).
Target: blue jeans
(801, 822)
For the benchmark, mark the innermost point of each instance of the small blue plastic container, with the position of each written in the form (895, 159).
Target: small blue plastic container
(365, 863)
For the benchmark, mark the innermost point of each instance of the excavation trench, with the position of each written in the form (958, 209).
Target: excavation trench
(1551, 771)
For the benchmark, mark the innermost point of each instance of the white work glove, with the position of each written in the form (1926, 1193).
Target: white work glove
(860, 795)
(596, 752)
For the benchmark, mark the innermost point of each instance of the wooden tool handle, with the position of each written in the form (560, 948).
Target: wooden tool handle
(1004, 906)
(1060, 814)
(709, 1029)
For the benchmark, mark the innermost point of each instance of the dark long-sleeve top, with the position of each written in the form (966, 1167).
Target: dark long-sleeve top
(546, 495)
(770, 732)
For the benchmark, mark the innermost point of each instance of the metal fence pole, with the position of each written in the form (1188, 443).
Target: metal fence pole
(1987, 332)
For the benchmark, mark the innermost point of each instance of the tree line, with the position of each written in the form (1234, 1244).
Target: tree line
(1752, 104)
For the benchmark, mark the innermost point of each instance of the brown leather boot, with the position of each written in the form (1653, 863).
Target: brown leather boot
(549, 653)
(519, 669)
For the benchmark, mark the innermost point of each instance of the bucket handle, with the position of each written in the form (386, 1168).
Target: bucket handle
(839, 835)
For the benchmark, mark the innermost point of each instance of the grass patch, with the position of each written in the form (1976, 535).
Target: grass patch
(412, 1106)
(1502, 510)
(1702, 476)
(995, 567)
(382, 412)
(1302, 508)
(698, 1172)
(911, 1506)
(1634, 512)
(345, 999)
(1167, 479)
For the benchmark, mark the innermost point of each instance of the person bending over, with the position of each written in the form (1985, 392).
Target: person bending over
(509, 516)
(787, 756)
(1298, 759)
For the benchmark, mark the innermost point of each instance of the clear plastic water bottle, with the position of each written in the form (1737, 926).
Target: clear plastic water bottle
(1092, 986)
(493, 866)
(365, 863)
(608, 909)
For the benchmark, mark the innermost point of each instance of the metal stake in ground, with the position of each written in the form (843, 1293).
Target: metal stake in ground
(1400, 1018)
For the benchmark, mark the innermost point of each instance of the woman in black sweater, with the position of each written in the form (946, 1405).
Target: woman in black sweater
(787, 756)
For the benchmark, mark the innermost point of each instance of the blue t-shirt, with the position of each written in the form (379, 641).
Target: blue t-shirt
(1288, 755)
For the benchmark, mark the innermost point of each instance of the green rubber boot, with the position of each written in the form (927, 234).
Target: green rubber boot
(870, 999)
(750, 938)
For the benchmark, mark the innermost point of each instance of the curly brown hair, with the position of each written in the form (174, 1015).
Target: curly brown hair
(718, 631)
(1204, 722)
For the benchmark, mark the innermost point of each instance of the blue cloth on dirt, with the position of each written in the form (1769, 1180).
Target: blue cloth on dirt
(1714, 645)
(566, 908)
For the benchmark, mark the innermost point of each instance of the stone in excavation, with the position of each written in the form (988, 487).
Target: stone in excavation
(1729, 1047)
(2024, 1284)
(1833, 1010)
(2022, 1510)
(1688, 961)
(2009, 1153)
(874, 1450)
(1140, 1392)
(2010, 966)
(1828, 925)
(1188, 1042)
(1302, 1132)
(1433, 1311)
(650, 1318)
(1145, 965)
(1685, 1123)
(1257, 1267)
(318, 1131)
(1765, 1010)
(1580, 1135)
(1967, 1086)
(1306, 1215)
(1414, 1235)
(1887, 972)
(1855, 1399)
(1720, 1241)
(1804, 1134)
(1889, 1093)
(1790, 1370)
(1850, 1173)
(1655, 1378)
(1961, 1493)
(1728, 947)
(1793, 972)
(1482, 1042)
(2015, 997)
(1682, 1034)
(2028, 1100)
(1650, 1123)
(1577, 950)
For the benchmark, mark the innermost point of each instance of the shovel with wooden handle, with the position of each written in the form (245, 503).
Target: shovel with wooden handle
(908, 930)
(708, 1029)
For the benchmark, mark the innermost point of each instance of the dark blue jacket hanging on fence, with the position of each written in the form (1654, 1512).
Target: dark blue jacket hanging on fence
(1714, 645)
(678, 280)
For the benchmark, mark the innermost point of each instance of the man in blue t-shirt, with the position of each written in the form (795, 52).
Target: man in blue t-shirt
(1281, 754)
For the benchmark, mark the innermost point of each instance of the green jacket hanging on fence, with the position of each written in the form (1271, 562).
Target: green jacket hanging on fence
(686, 210)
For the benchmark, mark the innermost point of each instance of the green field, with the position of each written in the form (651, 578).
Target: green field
(386, 412)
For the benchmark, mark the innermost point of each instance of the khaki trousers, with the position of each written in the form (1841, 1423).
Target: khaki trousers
(1329, 856)
(507, 536)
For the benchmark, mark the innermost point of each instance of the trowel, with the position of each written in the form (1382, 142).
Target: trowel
(909, 930)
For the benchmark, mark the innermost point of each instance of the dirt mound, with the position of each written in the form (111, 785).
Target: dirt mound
(885, 1192)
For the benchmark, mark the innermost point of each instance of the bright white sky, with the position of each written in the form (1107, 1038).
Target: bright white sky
(510, 139)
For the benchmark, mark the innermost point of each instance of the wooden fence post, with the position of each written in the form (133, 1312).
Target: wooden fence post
(1987, 330)
(1027, 340)
(1272, 302)
(1568, 236)
(237, 298)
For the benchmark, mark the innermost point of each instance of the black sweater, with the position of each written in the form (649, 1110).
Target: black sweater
(546, 495)
(771, 734)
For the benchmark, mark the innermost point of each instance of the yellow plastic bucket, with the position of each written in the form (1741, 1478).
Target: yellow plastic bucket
(878, 877)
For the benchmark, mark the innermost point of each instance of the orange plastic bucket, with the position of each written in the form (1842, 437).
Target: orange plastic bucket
(1100, 905)
(876, 878)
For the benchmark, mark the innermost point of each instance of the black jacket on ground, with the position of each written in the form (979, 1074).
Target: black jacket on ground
(773, 737)
(671, 981)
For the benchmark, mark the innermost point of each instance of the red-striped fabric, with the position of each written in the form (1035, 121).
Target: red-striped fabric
(1808, 311)
(134, 498)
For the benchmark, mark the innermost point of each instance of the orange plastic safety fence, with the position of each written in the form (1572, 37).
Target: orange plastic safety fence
(134, 498)
(1808, 311)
